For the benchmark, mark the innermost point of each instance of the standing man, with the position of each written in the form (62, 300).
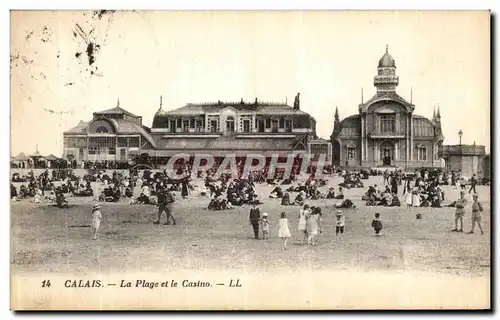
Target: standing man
(394, 184)
(459, 214)
(165, 203)
(254, 220)
(473, 182)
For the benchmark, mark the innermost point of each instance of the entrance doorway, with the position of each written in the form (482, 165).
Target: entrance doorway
(387, 153)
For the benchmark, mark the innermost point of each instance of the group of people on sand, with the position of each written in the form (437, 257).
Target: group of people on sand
(310, 223)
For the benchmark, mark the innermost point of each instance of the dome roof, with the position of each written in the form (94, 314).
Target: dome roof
(387, 60)
(160, 113)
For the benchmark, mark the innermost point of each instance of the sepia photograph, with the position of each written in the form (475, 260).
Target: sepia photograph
(250, 160)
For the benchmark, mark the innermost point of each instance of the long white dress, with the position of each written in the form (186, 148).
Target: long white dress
(415, 200)
(284, 231)
(302, 219)
(408, 197)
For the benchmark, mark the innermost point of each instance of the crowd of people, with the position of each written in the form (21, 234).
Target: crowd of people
(148, 187)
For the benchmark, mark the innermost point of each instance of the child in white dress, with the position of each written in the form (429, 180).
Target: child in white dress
(96, 220)
(313, 225)
(284, 231)
(415, 198)
(303, 214)
(264, 223)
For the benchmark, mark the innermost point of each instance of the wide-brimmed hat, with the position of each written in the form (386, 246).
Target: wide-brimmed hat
(97, 206)
(339, 212)
(475, 195)
(264, 214)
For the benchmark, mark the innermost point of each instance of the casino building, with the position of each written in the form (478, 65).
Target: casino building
(217, 129)
(385, 132)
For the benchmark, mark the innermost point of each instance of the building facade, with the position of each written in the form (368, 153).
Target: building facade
(112, 135)
(467, 159)
(320, 147)
(386, 132)
(217, 129)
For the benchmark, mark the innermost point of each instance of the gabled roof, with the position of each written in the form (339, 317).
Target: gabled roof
(122, 127)
(380, 96)
(116, 110)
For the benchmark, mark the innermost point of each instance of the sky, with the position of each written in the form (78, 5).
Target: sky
(327, 56)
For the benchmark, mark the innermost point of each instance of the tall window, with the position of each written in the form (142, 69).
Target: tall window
(288, 125)
(351, 153)
(172, 126)
(246, 125)
(274, 126)
(282, 123)
(185, 125)
(422, 153)
(199, 126)
(260, 125)
(268, 123)
(387, 123)
(230, 124)
(213, 125)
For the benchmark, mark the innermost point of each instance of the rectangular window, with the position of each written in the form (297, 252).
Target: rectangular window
(422, 153)
(185, 125)
(246, 125)
(133, 142)
(274, 126)
(387, 124)
(213, 126)
(282, 123)
(179, 123)
(111, 151)
(351, 153)
(261, 125)
(268, 123)
(122, 142)
(172, 126)
(199, 126)
(288, 126)
(81, 153)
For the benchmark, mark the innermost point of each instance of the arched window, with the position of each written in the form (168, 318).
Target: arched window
(101, 129)
(101, 126)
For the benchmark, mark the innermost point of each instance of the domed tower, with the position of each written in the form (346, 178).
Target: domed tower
(386, 79)
(158, 119)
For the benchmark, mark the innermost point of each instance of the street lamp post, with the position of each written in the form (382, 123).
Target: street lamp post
(460, 134)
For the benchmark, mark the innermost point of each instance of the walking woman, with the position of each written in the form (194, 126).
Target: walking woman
(303, 214)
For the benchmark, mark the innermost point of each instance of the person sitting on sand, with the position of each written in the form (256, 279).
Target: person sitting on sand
(300, 198)
(276, 193)
(331, 193)
(285, 201)
(340, 194)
